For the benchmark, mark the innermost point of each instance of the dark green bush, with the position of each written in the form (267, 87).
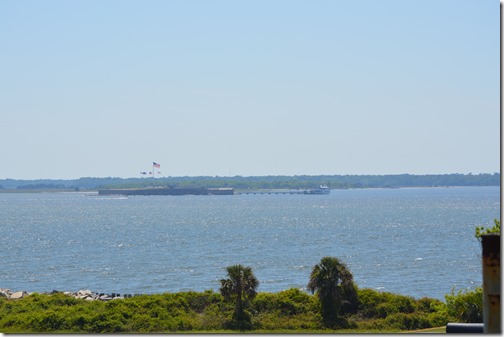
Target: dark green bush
(393, 304)
(264, 302)
(289, 310)
(375, 304)
(370, 324)
(107, 322)
(79, 323)
(426, 304)
(199, 301)
(440, 318)
(369, 300)
(465, 306)
(407, 321)
(350, 304)
(287, 302)
(214, 317)
(140, 323)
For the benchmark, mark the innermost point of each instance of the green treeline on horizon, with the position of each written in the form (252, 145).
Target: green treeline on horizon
(264, 182)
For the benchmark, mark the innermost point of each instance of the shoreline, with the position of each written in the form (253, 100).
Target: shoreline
(84, 294)
(241, 191)
(90, 295)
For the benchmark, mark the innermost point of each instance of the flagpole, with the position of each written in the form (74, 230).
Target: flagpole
(155, 166)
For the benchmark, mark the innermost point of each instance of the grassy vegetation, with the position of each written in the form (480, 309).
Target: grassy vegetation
(289, 311)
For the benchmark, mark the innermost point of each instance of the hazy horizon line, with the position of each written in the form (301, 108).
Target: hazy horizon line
(250, 176)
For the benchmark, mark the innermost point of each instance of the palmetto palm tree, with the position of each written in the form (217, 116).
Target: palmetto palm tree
(330, 279)
(240, 287)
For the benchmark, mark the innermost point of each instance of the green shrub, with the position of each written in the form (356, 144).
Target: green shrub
(140, 323)
(465, 306)
(275, 320)
(426, 304)
(79, 323)
(107, 326)
(213, 317)
(350, 304)
(263, 302)
(199, 301)
(375, 304)
(370, 324)
(107, 322)
(176, 304)
(288, 302)
(289, 310)
(407, 321)
(46, 321)
(369, 300)
(435, 311)
(395, 304)
(440, 318)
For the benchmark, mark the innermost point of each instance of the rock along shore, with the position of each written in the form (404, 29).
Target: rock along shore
(87, 295)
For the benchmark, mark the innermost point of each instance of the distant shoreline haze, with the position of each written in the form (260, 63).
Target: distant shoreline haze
(261, 182)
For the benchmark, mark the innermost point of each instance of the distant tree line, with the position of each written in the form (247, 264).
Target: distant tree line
(267, 182)
(41, 187)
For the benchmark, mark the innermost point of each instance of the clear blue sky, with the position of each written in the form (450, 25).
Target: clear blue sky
(94, 88)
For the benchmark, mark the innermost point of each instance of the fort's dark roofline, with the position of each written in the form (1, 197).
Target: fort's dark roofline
(168, 191)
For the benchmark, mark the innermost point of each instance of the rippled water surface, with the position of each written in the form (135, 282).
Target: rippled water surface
(417, 242)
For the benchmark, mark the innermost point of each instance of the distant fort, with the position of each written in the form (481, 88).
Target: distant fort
(168, 191)
(322, 189)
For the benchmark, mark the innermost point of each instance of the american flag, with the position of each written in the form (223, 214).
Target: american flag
(156, 165)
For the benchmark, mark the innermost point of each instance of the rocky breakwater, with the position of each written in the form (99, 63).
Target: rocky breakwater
(87, 295)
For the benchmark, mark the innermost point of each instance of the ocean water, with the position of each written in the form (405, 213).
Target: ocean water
(412, 241)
